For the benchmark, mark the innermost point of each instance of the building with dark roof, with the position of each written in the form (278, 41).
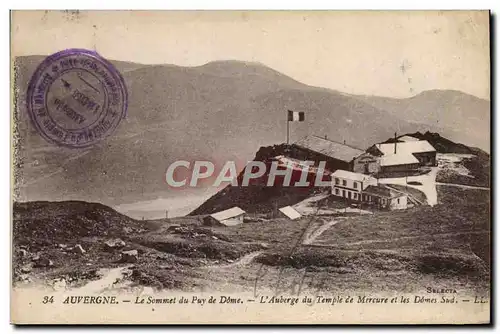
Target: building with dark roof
(336, 155)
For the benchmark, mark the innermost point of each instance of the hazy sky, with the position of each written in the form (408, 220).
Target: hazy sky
(382, 53)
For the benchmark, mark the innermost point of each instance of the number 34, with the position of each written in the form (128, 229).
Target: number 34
(48, 299)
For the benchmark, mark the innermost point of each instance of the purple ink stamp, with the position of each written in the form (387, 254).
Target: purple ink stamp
(76, 98)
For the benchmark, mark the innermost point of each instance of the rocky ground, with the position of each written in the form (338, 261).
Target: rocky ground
(444, 245)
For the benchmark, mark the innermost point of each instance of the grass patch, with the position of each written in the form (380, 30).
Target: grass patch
(210, 249)
(303, 259)
(451, 265)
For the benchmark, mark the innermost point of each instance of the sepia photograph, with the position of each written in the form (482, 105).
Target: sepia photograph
(250, 167)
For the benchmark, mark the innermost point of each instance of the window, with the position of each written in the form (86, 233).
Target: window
(344, 183)
(398, 200)
(343, 193)
(337, 180)
(337, 191)
(355, 184)
(355, 196)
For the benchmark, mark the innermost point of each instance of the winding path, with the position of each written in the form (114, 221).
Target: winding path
(463, 186)
(110, 276)
(311, 236)
(242, 261)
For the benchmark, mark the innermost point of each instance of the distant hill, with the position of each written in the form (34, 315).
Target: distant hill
(441, 144)
(462, 117)
(220, 111)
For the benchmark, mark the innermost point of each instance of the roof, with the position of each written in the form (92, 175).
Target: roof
(226, 214)
(297, 164)
(329, 148)
(408, 147)
(290, 212)
(351, 176)
(383, 191)
(398, 159)
(407, 138)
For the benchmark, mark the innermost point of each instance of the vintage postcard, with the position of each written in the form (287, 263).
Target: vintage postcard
(250, 167)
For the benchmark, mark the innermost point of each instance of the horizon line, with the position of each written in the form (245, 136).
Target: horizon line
(269, 67)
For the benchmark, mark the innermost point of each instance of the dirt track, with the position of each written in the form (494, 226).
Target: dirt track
(104, 283)
(311, 236)
(243, 261)
(463, 186)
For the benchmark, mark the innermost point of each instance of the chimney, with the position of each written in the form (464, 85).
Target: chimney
(326, 137)
(395, 142)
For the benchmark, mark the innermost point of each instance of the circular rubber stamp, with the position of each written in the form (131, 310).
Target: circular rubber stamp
(76, 98)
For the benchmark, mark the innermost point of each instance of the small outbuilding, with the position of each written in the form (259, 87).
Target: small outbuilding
(290, 212)
(229, 217)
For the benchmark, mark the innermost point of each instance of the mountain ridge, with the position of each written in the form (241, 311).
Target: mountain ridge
(218, 111)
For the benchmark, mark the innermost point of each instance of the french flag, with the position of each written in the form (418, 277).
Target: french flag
(295, 116)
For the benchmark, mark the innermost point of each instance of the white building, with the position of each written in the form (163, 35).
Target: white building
(356, 187)
(229, 217)
(290, 212)
(404, 156)
(350, 185)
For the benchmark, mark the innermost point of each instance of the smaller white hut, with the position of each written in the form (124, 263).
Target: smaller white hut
(229, 217)
(290, 212)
